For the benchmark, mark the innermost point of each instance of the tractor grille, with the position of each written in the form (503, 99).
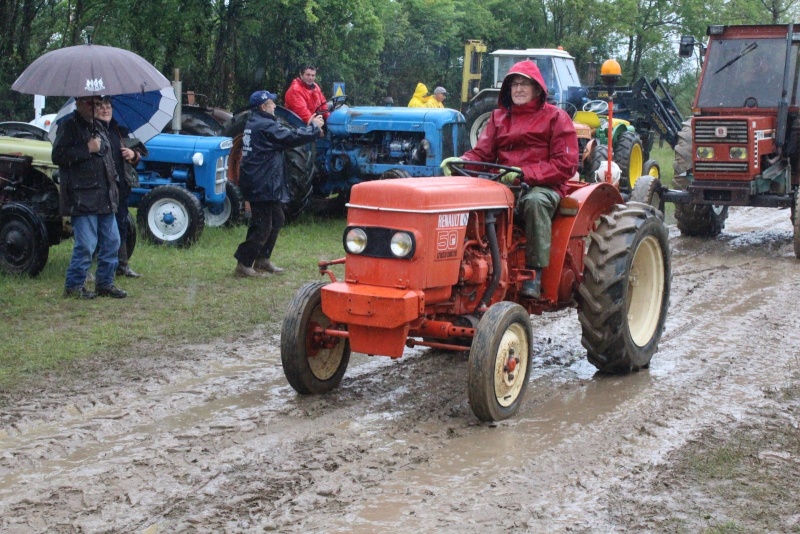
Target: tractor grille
(221, 175)
(706, 131)
(719, 167)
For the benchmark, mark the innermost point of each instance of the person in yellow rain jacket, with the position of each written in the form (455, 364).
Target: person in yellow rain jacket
(421, 97)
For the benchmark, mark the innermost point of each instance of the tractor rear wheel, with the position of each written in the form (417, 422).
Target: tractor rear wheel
(625, 293)
(171, 215)
(499, 362)
(312, 364)
(298, 164)
(24, 245)
(628, 154)
(647, 191)
(477, 116)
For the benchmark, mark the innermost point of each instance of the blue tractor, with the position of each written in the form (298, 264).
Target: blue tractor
(183, 187)
(361, 143)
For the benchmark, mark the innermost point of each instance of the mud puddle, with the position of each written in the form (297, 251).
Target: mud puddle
(212, 438)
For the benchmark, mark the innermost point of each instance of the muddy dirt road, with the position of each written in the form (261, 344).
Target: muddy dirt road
(211, 438)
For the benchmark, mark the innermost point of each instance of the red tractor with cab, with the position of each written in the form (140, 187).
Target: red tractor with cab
(439, 262)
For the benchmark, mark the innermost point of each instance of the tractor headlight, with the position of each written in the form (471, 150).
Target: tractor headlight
(738, 152)
(705, 152)
(197, 159)
(402, 244)
(355, 241)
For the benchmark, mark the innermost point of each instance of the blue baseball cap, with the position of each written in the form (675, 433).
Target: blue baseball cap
(259, 97)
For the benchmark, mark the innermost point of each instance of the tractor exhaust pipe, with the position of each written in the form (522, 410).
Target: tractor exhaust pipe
(494, 249)
(783, 107)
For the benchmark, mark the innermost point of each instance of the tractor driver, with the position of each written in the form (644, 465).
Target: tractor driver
(305, 97)
(539, 140)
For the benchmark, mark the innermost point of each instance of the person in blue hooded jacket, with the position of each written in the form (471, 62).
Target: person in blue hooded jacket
(262, 181)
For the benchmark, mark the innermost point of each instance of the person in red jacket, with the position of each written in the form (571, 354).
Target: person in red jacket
(539, 140)
(304, 96)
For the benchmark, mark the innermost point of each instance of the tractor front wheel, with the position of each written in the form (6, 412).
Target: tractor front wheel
(171, 215)
(499, 362)
(647, 191)
(24, 246)
(625, 293)
(312, 362)
(477, 116)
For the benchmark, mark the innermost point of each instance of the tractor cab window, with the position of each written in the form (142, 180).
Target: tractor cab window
(746, 73)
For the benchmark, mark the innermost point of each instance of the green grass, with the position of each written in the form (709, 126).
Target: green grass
(185, 296)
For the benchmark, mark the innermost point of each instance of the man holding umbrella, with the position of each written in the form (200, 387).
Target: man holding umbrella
(89, 195)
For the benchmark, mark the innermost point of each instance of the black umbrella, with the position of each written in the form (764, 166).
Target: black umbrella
(89, 70)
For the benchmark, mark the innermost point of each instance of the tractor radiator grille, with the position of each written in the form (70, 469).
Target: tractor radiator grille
(720, 167)
(708, 131)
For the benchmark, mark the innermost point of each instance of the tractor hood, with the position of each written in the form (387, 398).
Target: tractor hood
(176, 148)
(40, 151)
(431, 195)
(361, 120)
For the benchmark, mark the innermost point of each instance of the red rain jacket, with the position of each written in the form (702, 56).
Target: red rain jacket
(304, 100)
(537, 137)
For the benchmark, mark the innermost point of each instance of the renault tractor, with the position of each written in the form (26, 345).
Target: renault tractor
(440, 261)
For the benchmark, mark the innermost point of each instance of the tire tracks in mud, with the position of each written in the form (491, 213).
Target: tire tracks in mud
(216, 440)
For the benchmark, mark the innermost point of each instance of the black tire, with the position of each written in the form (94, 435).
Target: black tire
(298, 162)
(648, 191)
(598, 155)
(629, 155)
(503, 334)
(477, 115)
(700, 220)
(171, 215)
(796, 225)
(196, 122)
(652, 168)
(311, 368)
(130, 238)
(395, 173)
(625, 293)
(24, 245)
(231, 211)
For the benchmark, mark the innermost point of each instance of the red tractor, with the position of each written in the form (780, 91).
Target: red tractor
(439, 262)
(742, 144)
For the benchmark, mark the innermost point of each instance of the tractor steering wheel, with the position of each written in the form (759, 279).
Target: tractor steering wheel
(334, 103)
(458, 168)
(596, 106)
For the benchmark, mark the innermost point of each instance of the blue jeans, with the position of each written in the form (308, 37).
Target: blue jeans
(89, 231)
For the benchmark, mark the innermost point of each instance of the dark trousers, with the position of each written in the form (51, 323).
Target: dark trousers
(266, 222)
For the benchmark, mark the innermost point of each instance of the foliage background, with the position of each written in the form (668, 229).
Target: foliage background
(226, 49)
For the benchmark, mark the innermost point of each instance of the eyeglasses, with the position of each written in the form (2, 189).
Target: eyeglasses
(524, 85)
(96, 103)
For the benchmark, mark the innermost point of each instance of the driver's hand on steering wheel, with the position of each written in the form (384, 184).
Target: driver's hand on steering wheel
(445, 164)
(511, 176)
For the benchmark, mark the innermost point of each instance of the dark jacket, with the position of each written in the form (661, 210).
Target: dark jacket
(537, 137)
(88, 181)
(261, 172)
(116, 134)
